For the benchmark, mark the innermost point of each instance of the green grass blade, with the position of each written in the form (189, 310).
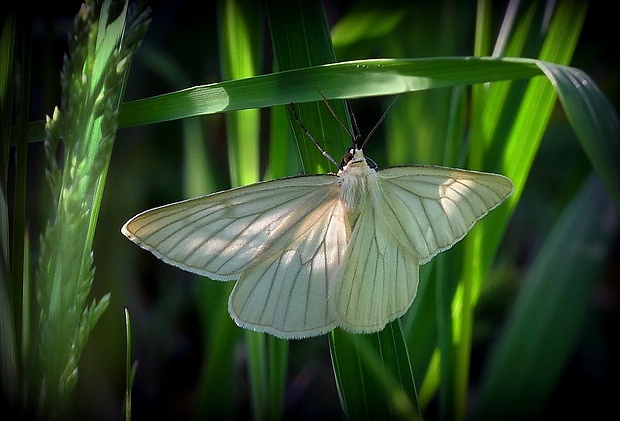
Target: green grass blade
(257, 372)
(19, 228)
(284, 156)
(301, 41)
(239, 33)
(240, 53)
(130, 369)
(277, 352)
(550, 310)
(216, 393)
(267, 370)
(366, 23)
(9, 371)
(240, 57)
(8, 342)
(7, 82)
(364, 78)
(491, 126)
(421, 328)
(384, 357)
(593, 119)
(373, 374)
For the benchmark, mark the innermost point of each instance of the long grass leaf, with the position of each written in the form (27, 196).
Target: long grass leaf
(593, 119)
(239, 30)
(364, 78)
(9, 371)
(19, 228)
(300, 38)
(534, 109)
(374, 376)
(301, 41)
(550, 309)
(240, 53)
(129, 369)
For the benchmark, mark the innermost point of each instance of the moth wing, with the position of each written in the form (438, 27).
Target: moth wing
(286, 294)
(222, 234)
(378, 279)
(434, 207)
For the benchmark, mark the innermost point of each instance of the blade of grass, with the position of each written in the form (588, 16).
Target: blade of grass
(130, 369)
(380, 374)
(534, 109)
(215, 393)
(300, 39)
(365, 23)
(283, 152)
(375, 379)
(241, 29)
(240, 55)
(257, 363)
(7, 86)
(445, 342)
(267, 367)
(594, 120)
(550, 309)
(420, 326)
(277, 352)
(18, 245)
(9, 371)
(364, 78)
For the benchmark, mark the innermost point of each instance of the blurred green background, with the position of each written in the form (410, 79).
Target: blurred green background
(153, 165)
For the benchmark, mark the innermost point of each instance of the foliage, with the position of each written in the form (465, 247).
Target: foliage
(82, 131)
(490, 107)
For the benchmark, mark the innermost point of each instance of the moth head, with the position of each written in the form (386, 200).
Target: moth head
(348, 156)
(353, 156)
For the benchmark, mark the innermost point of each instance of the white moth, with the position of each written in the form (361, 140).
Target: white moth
(311, 253)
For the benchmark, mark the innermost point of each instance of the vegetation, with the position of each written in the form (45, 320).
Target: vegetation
(500, 321)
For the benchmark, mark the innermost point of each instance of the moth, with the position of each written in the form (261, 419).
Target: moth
(310, 253)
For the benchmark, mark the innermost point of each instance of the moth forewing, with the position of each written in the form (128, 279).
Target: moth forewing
(219, 235)
(437, 206)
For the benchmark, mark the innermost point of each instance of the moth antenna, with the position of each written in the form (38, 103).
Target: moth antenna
(354, 137)
(356, 129)
(374, 129)
(307, 133)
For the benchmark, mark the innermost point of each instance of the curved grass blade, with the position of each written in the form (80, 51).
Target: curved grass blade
(364, 78)
(9, 350)
(379, 367)
(593, 119)
(549, 312)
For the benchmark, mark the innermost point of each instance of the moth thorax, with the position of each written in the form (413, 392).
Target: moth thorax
(355, 184)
